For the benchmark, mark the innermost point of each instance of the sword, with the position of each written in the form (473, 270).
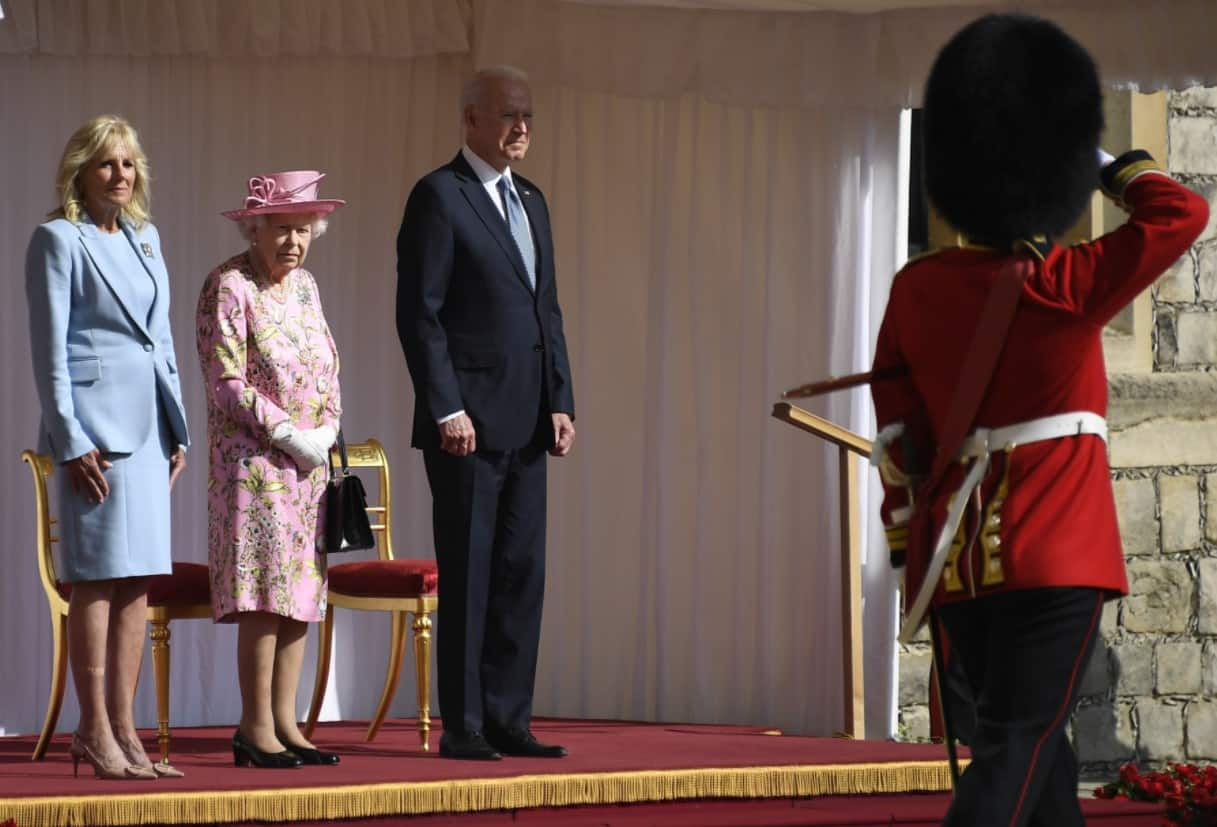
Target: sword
(836, 383)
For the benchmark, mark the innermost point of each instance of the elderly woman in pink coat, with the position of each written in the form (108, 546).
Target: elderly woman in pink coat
(271, 370)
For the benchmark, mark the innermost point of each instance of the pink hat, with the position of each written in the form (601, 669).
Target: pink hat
(285, 192)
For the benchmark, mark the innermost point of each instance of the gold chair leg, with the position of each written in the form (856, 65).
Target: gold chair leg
(396, 649)
(160, 669)
(59, 674)
(422, 676)
(321, 679)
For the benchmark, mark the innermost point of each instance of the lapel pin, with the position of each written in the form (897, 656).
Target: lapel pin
(147, 248)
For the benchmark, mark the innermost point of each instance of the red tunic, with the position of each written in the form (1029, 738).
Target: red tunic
(1046, 515)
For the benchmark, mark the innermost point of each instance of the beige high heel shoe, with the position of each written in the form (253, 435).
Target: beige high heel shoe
(164, 769)
(136, 755)
(82, 750)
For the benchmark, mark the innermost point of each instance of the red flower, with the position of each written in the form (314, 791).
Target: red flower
(1188, 792)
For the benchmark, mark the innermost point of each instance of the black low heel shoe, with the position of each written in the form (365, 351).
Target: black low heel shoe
(309, 755)
(245, 754)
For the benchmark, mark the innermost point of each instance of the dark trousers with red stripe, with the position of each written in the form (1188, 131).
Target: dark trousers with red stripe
(1023, 653)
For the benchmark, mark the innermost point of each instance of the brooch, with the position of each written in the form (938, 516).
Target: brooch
(147, 248)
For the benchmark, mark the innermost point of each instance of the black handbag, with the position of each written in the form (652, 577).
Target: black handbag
(347, 527)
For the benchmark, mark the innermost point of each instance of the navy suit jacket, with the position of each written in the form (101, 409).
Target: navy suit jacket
(97, 362)
(475, 335)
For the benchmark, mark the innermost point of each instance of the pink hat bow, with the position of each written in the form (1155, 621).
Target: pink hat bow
(285, 192)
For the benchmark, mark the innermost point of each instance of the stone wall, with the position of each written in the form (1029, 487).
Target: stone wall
(1185, 298)
(1148, 692)
(1145, 694)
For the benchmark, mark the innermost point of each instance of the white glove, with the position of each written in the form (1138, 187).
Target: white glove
(301, 448)
(322, 439)
(1105, 158)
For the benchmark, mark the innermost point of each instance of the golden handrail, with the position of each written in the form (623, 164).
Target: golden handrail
(823, 428)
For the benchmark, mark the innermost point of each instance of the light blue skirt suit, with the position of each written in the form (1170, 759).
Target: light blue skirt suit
(107, 378)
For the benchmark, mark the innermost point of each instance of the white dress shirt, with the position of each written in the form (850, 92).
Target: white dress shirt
(489, 176)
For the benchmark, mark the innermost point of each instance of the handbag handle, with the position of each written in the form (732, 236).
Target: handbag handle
(342, 453)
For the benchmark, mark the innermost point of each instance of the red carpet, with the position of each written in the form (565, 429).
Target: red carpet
(617, 773)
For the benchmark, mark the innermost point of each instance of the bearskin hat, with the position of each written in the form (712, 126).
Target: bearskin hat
(1012, 119)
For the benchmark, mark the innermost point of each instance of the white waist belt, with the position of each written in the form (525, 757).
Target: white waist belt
(978, 446)
(983, 441)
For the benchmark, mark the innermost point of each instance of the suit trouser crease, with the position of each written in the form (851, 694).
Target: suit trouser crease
(1023, 653)
(489, 519)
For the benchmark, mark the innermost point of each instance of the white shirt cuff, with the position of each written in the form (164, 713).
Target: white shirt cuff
(450, 416)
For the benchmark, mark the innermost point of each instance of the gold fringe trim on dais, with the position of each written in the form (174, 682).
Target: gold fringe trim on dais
(470, 795)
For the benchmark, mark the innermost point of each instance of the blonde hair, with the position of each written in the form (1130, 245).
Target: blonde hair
(90, 140)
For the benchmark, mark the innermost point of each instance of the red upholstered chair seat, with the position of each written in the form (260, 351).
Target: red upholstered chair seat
(385, 578)
(189, 584)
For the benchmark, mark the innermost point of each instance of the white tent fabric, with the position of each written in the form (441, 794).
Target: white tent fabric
(732, 51)
(726, 193)
(823, 58)
(235, 28)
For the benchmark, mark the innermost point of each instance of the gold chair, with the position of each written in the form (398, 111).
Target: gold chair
(386, 584)
(183, 594)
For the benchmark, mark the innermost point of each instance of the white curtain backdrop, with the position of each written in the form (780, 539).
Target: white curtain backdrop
(714, 254)
(708, 257)
(717, 242)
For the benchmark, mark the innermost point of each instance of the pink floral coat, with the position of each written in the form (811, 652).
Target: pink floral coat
(267, 357)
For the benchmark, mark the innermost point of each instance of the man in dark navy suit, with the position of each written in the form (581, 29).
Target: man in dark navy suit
(478, 317)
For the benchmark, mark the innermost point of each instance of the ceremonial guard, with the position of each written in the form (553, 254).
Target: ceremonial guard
(992, 445)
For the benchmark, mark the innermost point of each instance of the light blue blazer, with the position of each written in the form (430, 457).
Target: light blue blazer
(97, 363)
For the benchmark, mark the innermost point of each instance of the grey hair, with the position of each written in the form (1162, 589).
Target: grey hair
(474, 92)
(246, 225)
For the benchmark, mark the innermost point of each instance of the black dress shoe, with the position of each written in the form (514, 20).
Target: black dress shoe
(311, 755)
(470, 746)
(245, 754)
(522, 743)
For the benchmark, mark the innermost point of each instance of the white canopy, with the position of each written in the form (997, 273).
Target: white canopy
(771, 52)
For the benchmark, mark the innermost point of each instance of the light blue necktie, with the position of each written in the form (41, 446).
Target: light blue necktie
(517, 224)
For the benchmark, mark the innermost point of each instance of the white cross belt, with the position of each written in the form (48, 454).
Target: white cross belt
(978, 446)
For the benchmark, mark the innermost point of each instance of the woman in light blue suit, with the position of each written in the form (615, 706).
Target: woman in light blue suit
(112, 418)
